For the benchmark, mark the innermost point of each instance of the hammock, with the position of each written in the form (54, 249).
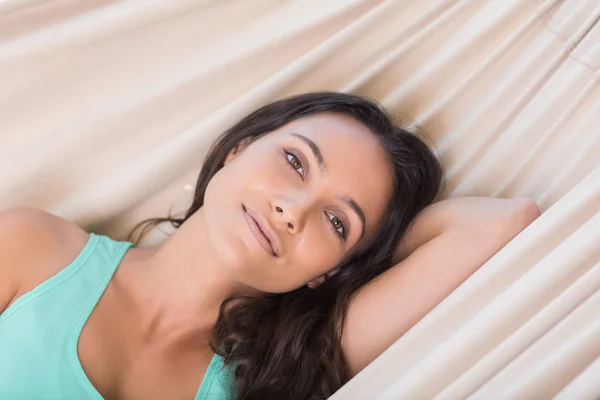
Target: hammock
(107, 109)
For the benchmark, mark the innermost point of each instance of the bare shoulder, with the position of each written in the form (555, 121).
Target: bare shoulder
(34, 245)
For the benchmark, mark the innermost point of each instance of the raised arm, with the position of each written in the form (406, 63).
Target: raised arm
(508, 215)
(447, 242)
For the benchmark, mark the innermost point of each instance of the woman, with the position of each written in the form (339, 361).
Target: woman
(284, 279)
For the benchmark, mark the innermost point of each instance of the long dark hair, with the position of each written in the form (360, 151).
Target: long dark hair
(288, 346)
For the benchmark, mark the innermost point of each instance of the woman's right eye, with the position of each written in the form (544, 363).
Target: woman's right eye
(294, 163)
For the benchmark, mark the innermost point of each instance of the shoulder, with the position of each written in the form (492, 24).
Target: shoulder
(34, 245)
(25, 229)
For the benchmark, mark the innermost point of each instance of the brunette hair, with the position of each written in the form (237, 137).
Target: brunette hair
(288, 345)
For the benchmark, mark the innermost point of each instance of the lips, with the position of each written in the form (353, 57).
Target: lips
(262, 232)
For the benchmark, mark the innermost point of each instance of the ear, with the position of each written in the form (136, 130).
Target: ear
(237, 150)
(320, 279)
(316, 282)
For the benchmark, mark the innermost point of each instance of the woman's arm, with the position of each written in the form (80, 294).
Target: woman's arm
(447, 242)
(463, 212)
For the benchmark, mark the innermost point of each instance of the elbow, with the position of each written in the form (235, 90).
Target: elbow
(523, 212)
(528, 212)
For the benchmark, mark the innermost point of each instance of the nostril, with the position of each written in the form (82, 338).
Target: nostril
(278, 209)
(290, 225)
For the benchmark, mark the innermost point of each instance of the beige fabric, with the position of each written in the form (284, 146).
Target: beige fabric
(107, 109)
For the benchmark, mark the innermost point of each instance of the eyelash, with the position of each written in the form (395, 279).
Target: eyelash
(289, 155)
(343, 234)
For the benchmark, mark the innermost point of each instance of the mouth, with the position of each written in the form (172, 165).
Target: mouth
(262, 232)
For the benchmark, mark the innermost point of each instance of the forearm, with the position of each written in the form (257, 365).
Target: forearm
(465, 213)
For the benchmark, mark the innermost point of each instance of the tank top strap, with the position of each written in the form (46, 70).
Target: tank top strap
(40, 330)
(104, 257)
(101, 257)
(94, 266)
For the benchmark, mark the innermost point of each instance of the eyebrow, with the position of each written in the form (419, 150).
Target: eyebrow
(315, 150)
(322, 166)
(353, 205)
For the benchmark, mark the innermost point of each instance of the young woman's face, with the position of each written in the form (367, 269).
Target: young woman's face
(288, 207)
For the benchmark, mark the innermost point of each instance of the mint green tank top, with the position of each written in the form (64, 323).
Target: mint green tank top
(40, 330)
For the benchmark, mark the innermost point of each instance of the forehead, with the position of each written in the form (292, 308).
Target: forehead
(356, 163)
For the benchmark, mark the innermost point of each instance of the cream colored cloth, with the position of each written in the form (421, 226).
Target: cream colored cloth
(107, 109)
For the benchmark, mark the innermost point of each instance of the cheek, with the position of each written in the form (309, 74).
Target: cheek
(315, 253)
(254, 170)
(232, 183)
(319, 248)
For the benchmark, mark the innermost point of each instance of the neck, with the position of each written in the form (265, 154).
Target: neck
(176, 289)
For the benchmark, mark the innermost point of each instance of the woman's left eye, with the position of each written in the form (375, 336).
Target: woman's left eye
(338, 226)
(295, 163)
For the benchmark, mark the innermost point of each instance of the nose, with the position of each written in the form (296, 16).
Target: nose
(291, 214)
